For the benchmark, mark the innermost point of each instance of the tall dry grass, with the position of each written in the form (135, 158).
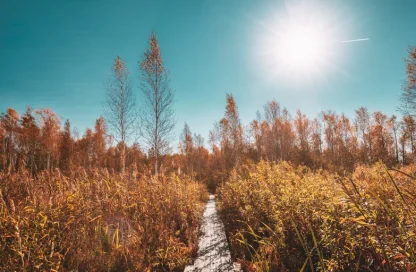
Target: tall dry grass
(98, 221)
(283, 218)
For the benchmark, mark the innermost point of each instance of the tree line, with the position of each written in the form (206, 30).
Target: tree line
(36, 141)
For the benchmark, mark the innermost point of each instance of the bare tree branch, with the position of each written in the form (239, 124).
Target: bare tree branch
(120, 108)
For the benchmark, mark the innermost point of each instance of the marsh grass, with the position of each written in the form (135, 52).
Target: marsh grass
(284, 218)
(98, 221)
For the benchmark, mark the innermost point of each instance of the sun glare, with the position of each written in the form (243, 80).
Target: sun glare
(300, 47)
(297, 42)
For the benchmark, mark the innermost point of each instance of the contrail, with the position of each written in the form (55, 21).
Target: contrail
(356, 40)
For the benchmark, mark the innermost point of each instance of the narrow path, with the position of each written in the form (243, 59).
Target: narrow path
(213, 253)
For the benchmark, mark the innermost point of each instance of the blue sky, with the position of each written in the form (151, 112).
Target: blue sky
(58, 55)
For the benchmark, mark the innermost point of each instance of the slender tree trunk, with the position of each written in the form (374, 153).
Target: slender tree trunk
(370, 151)
(48, 161)
(123, 158)
(156, 165)
(156, 123)
(396, 146)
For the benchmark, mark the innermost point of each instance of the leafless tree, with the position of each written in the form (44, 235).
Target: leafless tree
(408, 96)
(394, 125)
(120, 108)
(157, 112)
(362, 123)
(187, 147)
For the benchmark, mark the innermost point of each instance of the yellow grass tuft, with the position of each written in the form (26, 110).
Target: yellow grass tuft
(284, 218)
(98, 221)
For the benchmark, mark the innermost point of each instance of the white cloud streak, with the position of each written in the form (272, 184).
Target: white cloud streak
(356, 40)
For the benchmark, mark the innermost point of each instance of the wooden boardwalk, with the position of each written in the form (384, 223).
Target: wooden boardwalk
(213, 253)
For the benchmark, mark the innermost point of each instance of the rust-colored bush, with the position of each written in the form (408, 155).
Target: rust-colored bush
(283, 218)
(98, 221)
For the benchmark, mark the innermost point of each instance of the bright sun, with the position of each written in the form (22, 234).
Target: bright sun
(297, 42)
(300, 47)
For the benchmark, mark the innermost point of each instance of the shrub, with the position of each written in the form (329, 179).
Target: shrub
(282, 218)
(98, 222)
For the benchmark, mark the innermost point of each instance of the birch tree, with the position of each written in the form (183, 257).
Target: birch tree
(186, 146)
(120, 108)
(157, 112)
(408, 96)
